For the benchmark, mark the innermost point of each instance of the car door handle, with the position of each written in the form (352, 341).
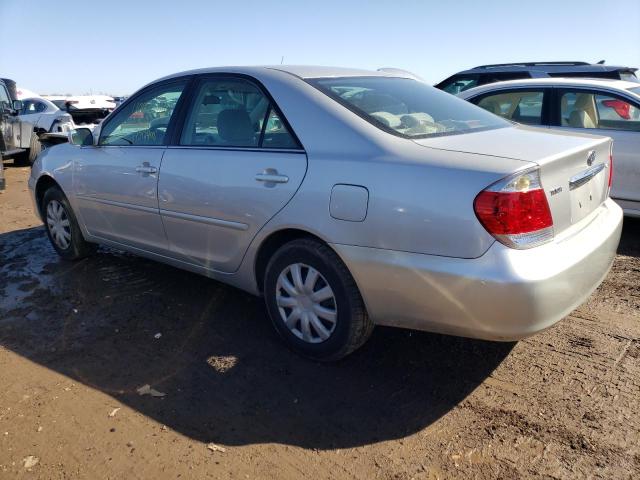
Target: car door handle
(271, 178)
(146, 168)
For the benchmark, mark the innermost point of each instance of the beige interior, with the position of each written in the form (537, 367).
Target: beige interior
(583, 114)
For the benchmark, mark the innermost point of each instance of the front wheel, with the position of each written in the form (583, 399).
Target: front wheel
(62, 227)
(313, 301)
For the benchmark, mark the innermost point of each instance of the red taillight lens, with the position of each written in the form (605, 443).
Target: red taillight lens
(515, 211)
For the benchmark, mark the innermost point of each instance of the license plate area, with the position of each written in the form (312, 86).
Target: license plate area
(588, 191)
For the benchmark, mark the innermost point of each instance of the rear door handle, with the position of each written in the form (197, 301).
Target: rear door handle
(271, 178)
(146, 168)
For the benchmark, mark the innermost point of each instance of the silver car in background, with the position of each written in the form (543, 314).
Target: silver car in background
(597, 106)
(347, 198)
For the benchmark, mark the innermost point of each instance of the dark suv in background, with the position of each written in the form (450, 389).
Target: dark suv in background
(514, 71)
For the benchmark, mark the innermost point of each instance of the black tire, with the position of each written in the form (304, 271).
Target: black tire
(77, 247)
(27, 158)
(35, 147)
(352, 324)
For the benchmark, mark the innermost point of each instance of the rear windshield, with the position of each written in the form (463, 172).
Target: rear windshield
(635, 90)
(406, 107)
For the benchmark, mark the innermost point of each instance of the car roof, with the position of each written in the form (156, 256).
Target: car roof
(301, 71)
(554, 81)
(546, 67)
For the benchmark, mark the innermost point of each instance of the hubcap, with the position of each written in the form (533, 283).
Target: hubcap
(306, 303)
(58, 224)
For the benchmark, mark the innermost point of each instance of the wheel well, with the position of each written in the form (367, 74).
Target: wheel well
(44, 183)
(272, 243)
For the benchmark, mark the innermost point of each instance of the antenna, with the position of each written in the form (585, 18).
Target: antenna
(282, 60)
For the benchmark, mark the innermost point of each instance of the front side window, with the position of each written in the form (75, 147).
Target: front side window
(144, 121)
(407, 107)
(583, 109)
(233, 112)
(522, 106)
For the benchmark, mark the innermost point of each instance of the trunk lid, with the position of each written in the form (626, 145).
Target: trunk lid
(574, 168)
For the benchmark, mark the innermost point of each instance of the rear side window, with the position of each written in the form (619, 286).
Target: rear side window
(584, 109)
(233, 112)
(522, 106)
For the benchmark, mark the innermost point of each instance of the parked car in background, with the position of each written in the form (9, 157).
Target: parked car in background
(603, 107)
(86, 110)
(46, 116)
(501, 72)
(346, 198)
(119, 100)
(18, 138)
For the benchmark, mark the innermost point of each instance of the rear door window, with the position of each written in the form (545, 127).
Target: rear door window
(522, 106)
(592, 110)
(234, 112)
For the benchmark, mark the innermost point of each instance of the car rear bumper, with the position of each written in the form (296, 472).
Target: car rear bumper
(505, 294)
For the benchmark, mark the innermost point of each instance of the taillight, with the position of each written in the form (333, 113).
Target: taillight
(610, 167)
(515, 211)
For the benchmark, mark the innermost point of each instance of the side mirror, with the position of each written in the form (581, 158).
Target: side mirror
(81, 136)
(17, 105)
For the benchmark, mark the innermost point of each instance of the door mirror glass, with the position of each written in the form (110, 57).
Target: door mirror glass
(17, 105)
(81, 137)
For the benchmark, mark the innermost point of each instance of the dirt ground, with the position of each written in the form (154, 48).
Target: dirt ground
(78, 340)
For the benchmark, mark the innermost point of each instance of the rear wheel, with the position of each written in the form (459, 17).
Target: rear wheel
(35, 147)
(313, 301)
(28, 157)
(62, 227)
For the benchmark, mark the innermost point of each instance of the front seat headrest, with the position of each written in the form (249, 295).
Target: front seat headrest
(235, 126)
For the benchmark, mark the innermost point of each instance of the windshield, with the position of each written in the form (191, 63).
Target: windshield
(406, 107)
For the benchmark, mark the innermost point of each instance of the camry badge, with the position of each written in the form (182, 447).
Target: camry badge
(591, 157)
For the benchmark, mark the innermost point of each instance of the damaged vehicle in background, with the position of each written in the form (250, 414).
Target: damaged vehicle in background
(46, 116)
(86, 110)
(18, 137)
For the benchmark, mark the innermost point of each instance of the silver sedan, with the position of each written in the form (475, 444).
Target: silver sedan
(596, 106)
(346, 198)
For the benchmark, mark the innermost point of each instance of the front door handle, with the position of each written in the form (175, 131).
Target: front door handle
(271, 176)
(146, 168)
